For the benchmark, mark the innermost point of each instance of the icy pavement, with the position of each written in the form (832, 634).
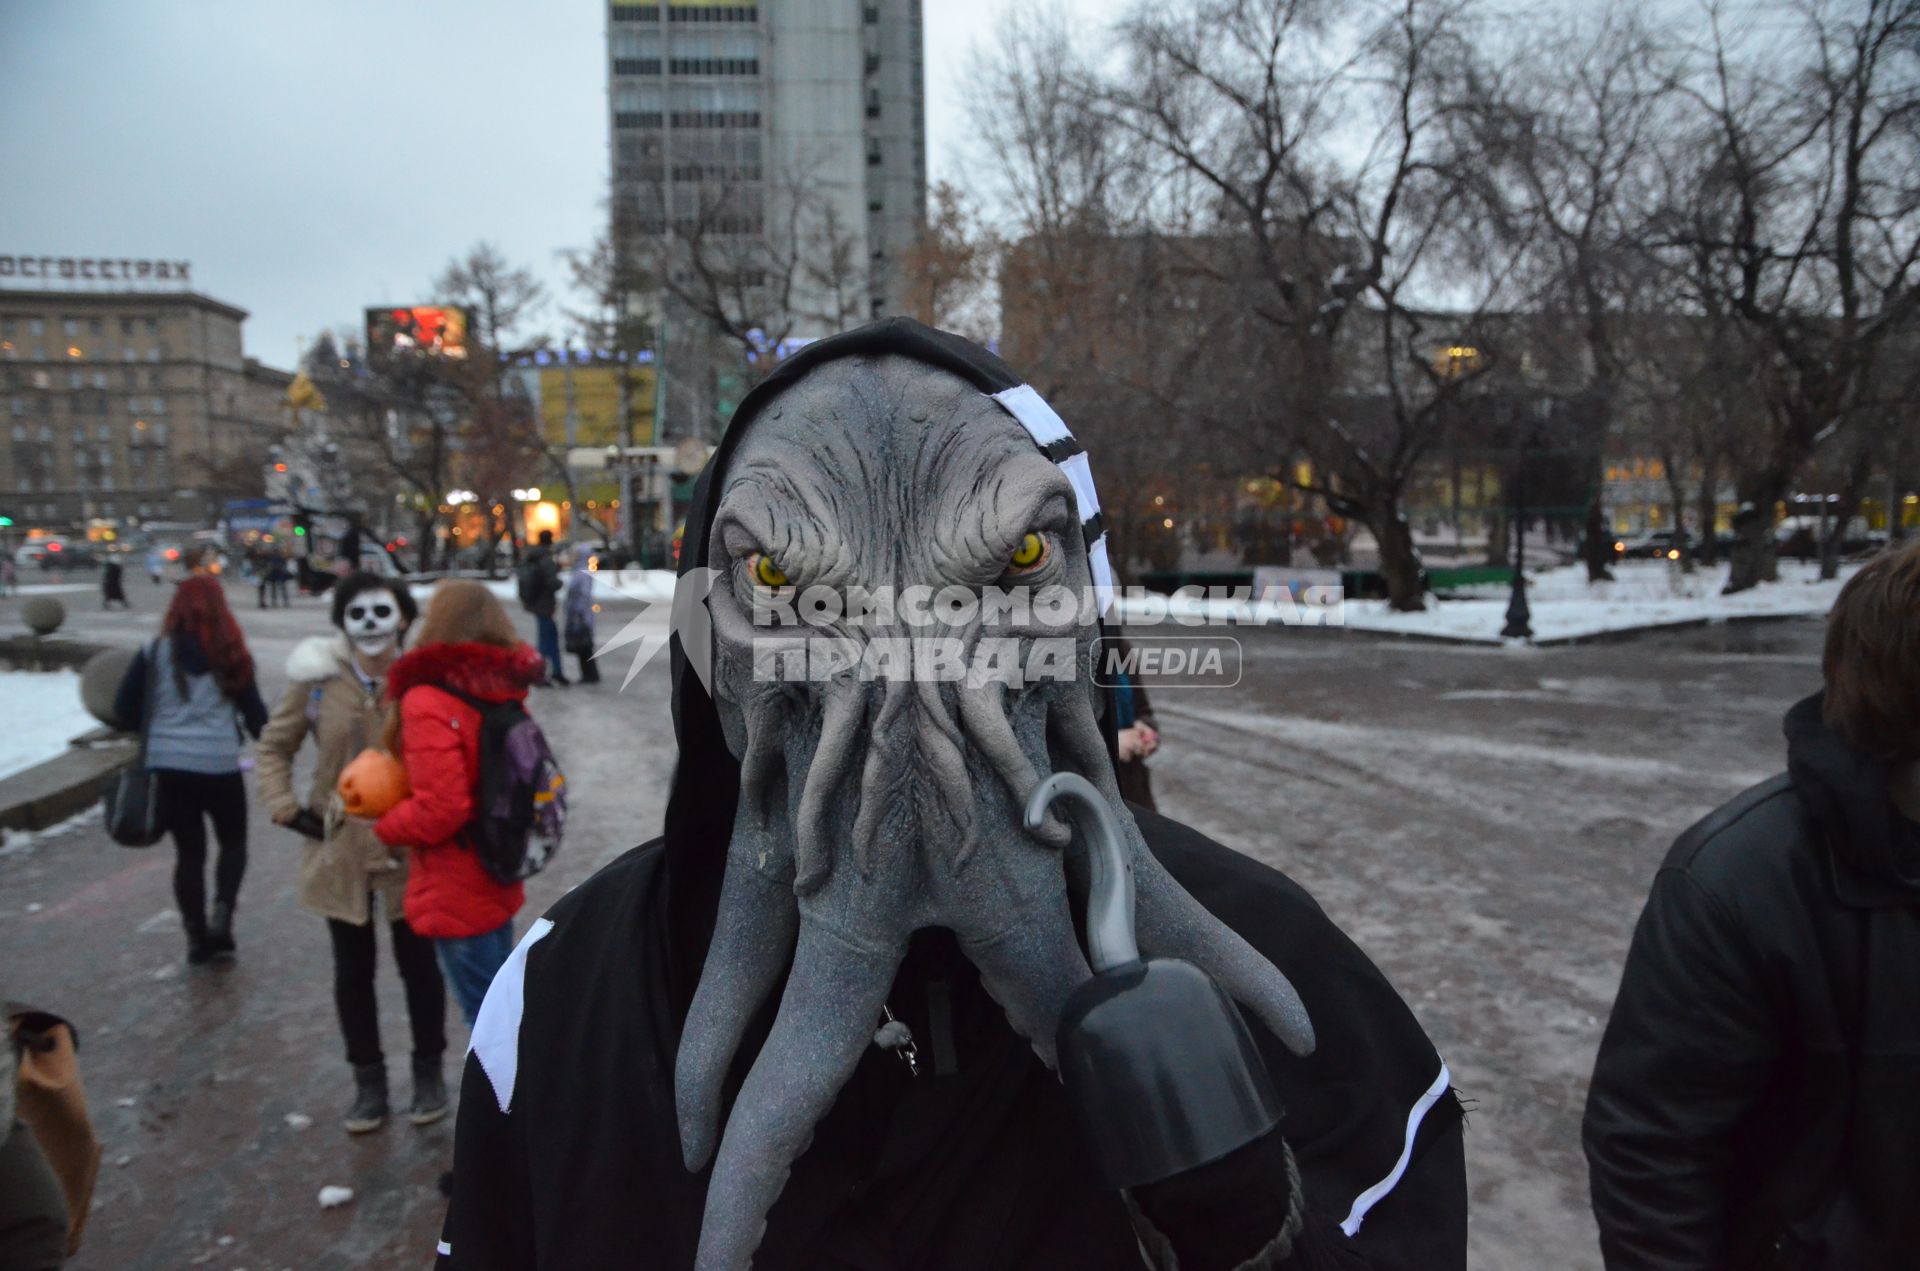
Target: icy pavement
(43, 713)
(1485, 822)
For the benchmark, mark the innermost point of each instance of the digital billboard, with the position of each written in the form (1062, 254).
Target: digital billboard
(436, 330)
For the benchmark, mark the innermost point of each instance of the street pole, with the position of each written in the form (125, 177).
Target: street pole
(1519, 616)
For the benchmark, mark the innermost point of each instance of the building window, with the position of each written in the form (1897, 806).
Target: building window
(873, 63)
(153, 354)
(713, 13)
(18, 405)
(103, 432)
(99, 379)
(129, 355)
(871, 15)
(875, 206)
(71, 326)
(74, 379)
(37, 326)
(126, 326)
(95, 327)
(873, 155)
(19, 432)
(635, 13)
(873, 103)
(159, 405)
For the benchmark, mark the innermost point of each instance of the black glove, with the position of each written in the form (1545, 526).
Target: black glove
(1222, 1214)
(307, 823)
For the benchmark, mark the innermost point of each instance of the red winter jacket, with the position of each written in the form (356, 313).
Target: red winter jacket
(449, 892)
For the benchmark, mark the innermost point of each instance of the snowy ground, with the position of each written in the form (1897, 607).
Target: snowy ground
(43, 713)
(1644, 595)
(1484, 822)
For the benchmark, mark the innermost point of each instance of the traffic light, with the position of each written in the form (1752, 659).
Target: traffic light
(6, 522)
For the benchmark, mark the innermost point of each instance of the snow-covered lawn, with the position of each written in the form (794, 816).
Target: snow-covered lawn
(1643, 595)
(633, 584)
(43, 713)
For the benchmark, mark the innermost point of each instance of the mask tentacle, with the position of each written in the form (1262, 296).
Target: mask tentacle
(1171, 922)
(983, 710)
(826, 1022)
(946, 762)
(1030, 966)
(758, 924)
(840, 722)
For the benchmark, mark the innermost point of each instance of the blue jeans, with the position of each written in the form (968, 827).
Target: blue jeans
(549, 640)
(471, 962)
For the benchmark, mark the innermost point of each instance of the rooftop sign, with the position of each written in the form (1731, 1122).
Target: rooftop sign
(95, 269)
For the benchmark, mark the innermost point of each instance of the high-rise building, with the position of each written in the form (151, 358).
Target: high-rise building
(129, 405)
(783, 143)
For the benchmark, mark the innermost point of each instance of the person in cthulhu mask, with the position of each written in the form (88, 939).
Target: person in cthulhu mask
(819, 1022)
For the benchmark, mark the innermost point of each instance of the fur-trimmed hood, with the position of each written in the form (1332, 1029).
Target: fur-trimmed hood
(318, 658)
(486, 671)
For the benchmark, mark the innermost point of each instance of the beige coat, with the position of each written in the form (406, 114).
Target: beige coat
(327, 701)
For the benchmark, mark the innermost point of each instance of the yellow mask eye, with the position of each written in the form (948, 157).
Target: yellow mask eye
(766, 573)
(1031, 551)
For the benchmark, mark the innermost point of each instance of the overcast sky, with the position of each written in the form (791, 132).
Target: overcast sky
(316, 158)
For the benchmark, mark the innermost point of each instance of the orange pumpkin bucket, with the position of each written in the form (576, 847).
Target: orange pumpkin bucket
(373, 782)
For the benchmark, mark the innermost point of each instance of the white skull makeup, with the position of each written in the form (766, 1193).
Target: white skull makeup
(372, 622)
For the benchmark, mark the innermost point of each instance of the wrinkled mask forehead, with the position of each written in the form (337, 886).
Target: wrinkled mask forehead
(887, 470)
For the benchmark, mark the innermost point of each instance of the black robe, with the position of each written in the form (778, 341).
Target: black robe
(567, 1154)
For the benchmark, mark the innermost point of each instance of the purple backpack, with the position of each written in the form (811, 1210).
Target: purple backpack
(520, 803)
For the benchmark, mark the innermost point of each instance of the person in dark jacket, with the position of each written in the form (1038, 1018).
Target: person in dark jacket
(812, 1025)
(201, 678)
(1756, 1101)
(539, 583)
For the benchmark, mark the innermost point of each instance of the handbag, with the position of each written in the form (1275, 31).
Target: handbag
(579, 635)
(133, 814)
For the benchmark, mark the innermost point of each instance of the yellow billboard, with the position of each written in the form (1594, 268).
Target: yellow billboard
(595, 393)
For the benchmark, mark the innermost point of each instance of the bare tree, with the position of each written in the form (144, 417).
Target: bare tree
(1256, 109)
(1792, 209)
(1569, 127)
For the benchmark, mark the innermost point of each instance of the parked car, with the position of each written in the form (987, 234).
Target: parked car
(1653, 545)
(56, 553)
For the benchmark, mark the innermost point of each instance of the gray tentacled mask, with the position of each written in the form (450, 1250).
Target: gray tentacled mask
(878, 797)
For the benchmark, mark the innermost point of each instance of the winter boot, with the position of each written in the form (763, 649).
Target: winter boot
(198, 950)
(220, 931)
(369, 1110)
(429, 1091)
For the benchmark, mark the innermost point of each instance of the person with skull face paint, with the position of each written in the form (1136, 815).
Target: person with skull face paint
(815, 1024)
(347, 875)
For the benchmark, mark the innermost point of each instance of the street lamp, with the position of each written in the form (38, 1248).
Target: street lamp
(1519, 614)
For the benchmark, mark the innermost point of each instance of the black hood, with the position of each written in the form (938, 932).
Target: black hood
(706, 781)
(1876, 850)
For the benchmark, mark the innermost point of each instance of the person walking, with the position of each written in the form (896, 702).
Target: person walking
(347, 875)
(277, 574)
(156, 565)
(1753, 1103)
(113, 585)
(201, 678)
(467, 655)
(580, 607)
(539, 583)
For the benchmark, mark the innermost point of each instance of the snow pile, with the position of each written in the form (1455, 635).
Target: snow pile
(1564, 606)
(46, 713)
